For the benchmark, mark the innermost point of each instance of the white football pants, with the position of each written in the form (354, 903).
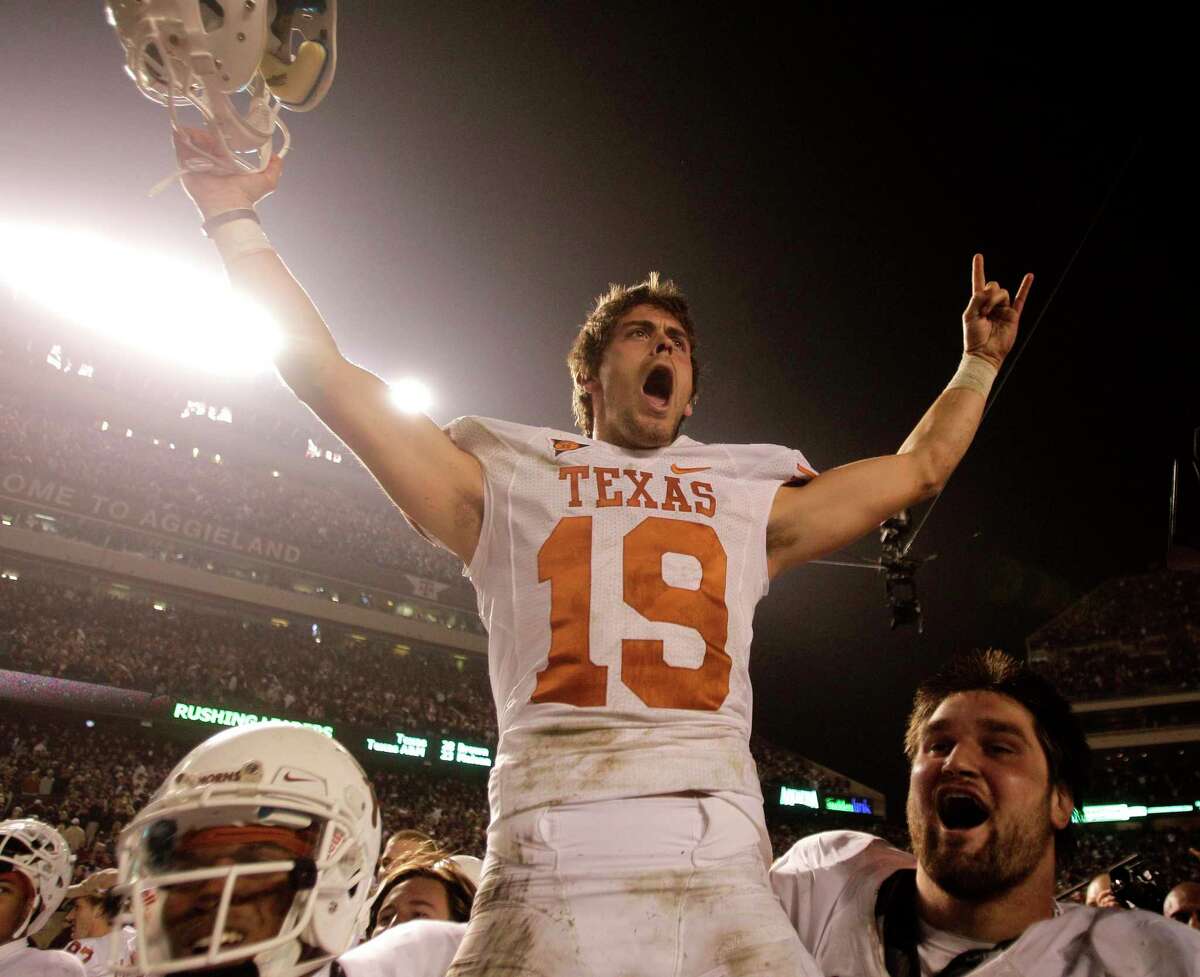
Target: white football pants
(668, 886)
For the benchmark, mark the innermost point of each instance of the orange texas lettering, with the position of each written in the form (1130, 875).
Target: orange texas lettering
(601, 488)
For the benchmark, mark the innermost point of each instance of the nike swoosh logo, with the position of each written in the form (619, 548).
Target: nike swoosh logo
(689, 471)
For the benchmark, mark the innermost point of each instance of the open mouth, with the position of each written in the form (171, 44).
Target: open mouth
(658, 387)
(961, 812)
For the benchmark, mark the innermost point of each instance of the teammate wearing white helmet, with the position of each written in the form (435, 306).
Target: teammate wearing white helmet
(35, 870)
(254, 858)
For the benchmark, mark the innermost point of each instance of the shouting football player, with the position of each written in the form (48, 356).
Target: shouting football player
(998, 763)
(617, 571)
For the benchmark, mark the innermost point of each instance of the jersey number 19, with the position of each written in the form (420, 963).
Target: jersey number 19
(570, 676)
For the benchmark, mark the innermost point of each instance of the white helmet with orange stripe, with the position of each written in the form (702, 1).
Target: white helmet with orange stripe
(259, 847)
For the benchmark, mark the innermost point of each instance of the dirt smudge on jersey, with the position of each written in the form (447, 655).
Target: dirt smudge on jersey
(510, 933)
(563, 762)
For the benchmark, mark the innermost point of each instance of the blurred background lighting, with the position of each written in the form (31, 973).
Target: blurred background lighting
(411, 396)
(138, 298)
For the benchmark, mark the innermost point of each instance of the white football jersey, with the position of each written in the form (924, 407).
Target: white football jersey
(420, 948)
(94, 953)
(618, 588)
(829, 883)
(18, 959)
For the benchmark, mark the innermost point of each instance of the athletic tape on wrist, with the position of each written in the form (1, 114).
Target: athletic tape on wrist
(974, 373)
(225, 217)
(239, 238)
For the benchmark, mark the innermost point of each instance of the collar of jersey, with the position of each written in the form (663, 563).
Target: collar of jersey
(683, 441)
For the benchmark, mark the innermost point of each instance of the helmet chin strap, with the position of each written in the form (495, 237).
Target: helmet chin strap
(283, 961)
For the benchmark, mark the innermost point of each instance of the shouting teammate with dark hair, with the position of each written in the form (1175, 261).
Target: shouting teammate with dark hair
(998, 764)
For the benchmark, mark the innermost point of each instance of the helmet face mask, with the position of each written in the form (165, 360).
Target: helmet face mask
(40, 854)
(233, 61)
(259, 846)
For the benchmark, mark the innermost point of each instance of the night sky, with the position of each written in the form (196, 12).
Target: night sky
(816, 182)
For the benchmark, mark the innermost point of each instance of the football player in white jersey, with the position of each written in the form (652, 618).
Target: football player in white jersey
(998, 763)
(91, 916)
(253, 859)
(35, 870)
(617, 574)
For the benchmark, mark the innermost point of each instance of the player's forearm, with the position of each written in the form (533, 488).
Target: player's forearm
(942, 437)
(307, 348)
(227, 204)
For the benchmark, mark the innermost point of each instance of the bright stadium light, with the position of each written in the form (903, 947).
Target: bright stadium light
(138, 298)
(411, 396)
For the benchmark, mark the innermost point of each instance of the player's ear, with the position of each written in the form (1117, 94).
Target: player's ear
(687, 409)
(1061, 807)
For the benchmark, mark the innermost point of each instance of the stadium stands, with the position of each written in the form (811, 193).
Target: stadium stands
(1131, 636)
(1128, 655)
(206, 655)
(233, 514)
(58, 768)
(1150, 775)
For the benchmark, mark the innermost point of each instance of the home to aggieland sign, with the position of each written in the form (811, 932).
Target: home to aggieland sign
(54, 495)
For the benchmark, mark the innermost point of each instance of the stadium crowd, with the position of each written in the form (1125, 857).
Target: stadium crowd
(62, 771)
(1170, 851)
(216, 659)
(1114, 671)
(89, 782)
(1154, 775)
(784, 766)
(237, 663)
(1132, 635)
(1126, 608)
(353, 535)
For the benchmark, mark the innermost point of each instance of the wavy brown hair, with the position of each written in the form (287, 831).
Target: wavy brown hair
(428, 862)
(587, 351)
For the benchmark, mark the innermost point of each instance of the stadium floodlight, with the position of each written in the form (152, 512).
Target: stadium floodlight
(411, 395)
(138, 298)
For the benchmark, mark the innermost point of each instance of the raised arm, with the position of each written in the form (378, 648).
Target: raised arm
(436, 484)
(845, 503)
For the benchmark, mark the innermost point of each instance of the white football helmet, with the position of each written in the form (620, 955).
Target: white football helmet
(259, 847)
(204, 52)
(43, 856)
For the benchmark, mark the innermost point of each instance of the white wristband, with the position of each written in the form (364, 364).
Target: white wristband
(974, 373)
(239, 238)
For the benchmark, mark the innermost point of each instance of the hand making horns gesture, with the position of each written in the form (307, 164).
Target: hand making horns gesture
(990, 320)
